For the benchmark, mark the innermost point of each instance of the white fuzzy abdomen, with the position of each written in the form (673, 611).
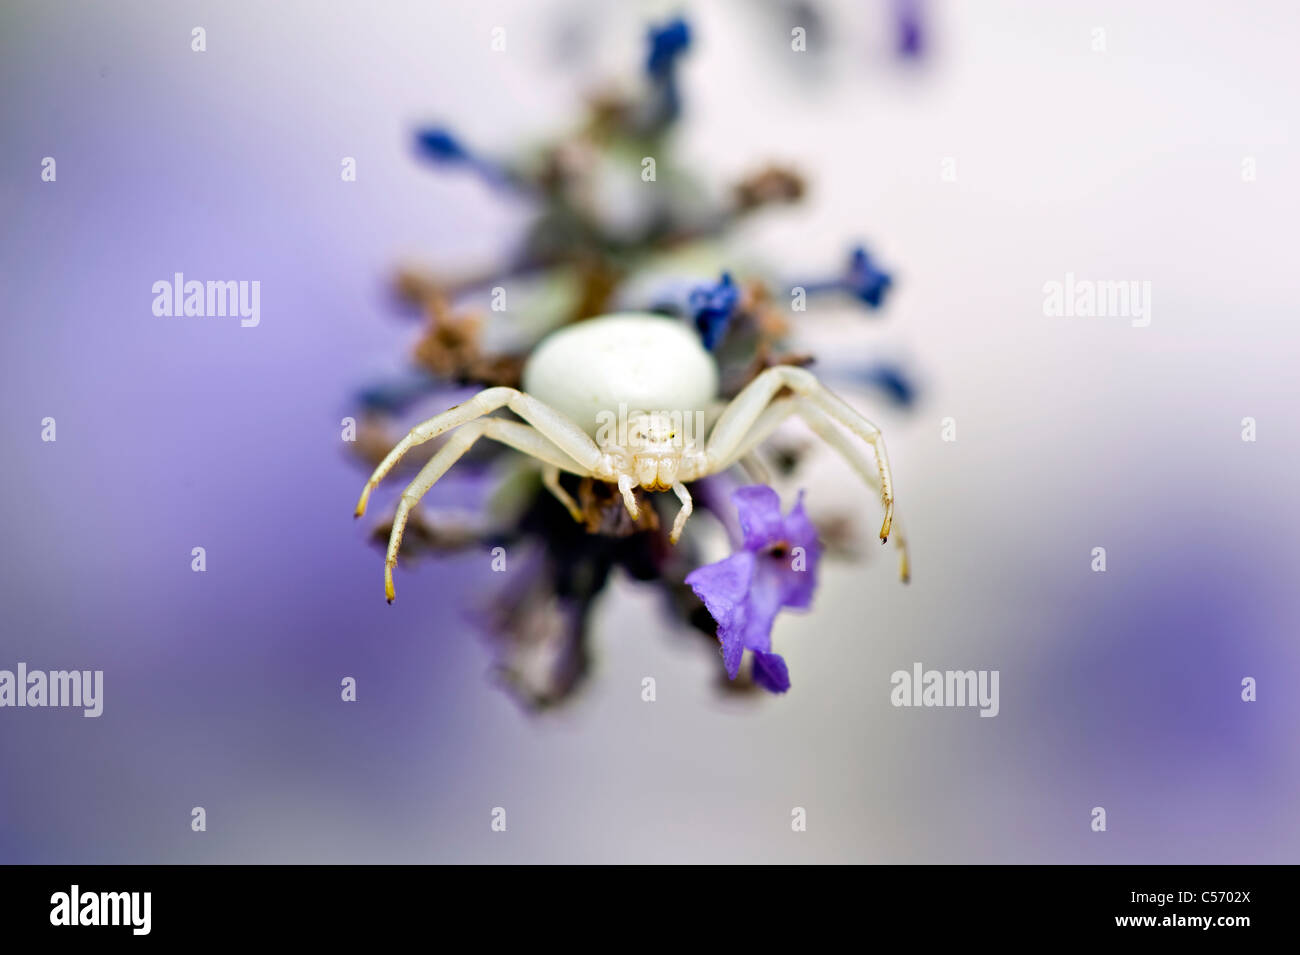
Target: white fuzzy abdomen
(647, 362)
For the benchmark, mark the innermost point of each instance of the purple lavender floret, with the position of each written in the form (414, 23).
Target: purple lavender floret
(441, 146)
(667, 43)
(863, 280)
(892, 380)
(775, 568)
(909, 29)
(712, 307)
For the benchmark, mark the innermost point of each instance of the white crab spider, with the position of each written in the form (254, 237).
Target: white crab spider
(575, 379)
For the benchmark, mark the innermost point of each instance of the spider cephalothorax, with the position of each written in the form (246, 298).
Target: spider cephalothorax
(625, 399)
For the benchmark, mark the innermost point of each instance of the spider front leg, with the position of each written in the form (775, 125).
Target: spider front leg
(518, 436)
(627, 487)
(551, 481)
(755, 469)
(575, 443)
(728, 437)
(822, 425)
(688, 507)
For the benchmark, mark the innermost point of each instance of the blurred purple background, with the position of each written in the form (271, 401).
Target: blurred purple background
(1119, 690)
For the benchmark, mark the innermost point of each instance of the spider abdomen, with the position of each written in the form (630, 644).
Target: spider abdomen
(622, 364)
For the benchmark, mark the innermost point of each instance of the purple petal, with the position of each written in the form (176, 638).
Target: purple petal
(759, 508)
(760, 610)
(724, 587)
(771, 673)
(775, 574)
(799, 569)
(798, 530)
(732, 652)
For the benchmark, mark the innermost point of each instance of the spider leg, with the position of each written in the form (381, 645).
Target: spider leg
(728, 435)
(688, 506)
(518, 436)
(754, 468)
(625, 487)
(563, 433)
(822, 425)
(551, 481)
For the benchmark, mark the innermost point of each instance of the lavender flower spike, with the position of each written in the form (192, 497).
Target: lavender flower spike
(776, 567)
